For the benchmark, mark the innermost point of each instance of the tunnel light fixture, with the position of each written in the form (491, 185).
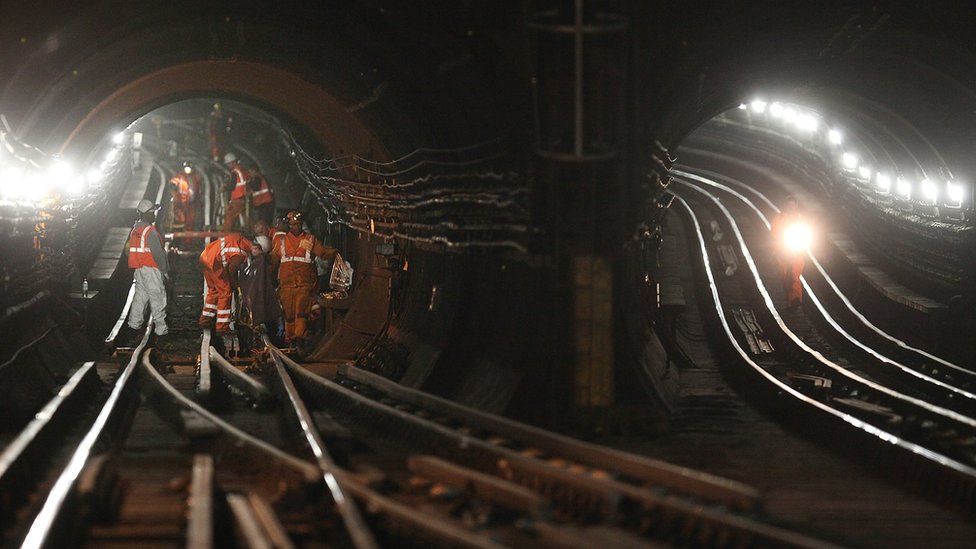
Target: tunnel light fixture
(118, 138)
(835, 137)
(882, 183)
(807, 122)
(776, 110)
(58, 175)
(36, 187)
(864, 172)
(955, 194)
(12, 183)
(903, 189)
(758, 106)
(789, 114)
(930, 192)
(743, 106)
(849, 161)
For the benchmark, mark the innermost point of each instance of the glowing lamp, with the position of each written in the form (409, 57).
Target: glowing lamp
(903, 188)
(883, 183)
(849, 160)
(797, 237)
(955, 194)
(835, 137)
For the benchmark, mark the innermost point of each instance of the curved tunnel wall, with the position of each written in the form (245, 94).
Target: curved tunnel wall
(456, 73)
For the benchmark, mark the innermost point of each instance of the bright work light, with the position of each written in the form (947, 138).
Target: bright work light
(798, 237)
(883, 182)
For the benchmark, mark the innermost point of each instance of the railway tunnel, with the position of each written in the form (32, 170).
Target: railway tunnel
(556, 212)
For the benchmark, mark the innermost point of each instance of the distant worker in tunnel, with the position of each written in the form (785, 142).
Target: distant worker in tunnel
(219, 262)
(219, 126)
(186, 186)
(792, 238)
(239, 178)
(147, 258)
(295, 254)
(262, 198)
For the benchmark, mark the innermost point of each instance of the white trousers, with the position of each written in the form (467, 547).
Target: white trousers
(150, 291)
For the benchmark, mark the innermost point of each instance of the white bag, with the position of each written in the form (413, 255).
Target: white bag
(341, 278)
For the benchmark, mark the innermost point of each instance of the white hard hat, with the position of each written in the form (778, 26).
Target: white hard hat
(230, 157)
(146, 206)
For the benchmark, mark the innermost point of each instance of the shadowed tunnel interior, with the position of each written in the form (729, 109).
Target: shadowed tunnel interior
(731, 242)
(540, 301)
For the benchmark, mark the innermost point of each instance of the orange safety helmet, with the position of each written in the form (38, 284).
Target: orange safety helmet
(294, 217)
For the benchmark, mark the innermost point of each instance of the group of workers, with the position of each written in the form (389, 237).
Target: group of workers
(285, 248)
(292, 253)
(244, 183)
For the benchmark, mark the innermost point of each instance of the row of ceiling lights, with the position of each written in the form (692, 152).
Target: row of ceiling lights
(24, 181)
(926, 192)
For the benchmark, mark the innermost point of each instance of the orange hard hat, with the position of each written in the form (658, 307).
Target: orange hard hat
(294, 217)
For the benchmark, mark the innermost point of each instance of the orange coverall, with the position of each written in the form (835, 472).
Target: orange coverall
(185, 188)
(239, 177)
(790, 262)
(219, 262)
(297, 278)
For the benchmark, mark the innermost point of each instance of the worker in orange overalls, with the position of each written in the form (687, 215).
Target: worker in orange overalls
(239, 177)
(791, 236)
(186, 186)
(219, 262)
(262, 199)
(295, 254)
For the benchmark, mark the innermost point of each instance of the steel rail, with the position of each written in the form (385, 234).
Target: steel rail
(964, 471)
(43, 419)
(572, 491)
(204, 373)
(905, 369)
(830, 282)
(276, 462)
(373, 502)
(251, 387)
(702, 485)
(114, 333)
(43, 523)
(928, 407)
(359, 533)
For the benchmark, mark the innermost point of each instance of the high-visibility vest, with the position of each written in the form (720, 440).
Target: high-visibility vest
(297, 264)
(185, 187)
(240, 177)
(221, 251)
(263, 195)
(140, 254)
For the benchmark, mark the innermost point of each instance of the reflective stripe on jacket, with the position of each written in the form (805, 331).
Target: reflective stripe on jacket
(240, 177)
(140, 252)
(226, 251)
(263, 195)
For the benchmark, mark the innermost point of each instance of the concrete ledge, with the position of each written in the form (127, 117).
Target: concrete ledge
(846, 248)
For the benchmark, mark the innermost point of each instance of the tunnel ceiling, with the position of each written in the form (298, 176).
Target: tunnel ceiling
(384, 78)
(457, 72)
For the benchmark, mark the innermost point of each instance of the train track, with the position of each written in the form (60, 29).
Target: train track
(886, 401)
(177, 444)
(166, 454)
